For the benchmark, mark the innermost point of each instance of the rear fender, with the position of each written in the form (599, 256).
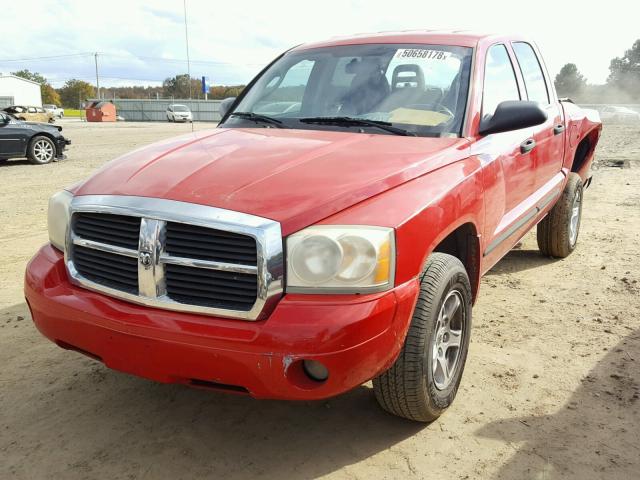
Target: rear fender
(582, 135)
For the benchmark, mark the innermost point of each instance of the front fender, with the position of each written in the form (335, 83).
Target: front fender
(423, 212)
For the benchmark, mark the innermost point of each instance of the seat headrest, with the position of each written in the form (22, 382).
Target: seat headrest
(400, 79)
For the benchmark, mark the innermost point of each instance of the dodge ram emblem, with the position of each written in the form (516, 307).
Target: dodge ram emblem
(145, 260)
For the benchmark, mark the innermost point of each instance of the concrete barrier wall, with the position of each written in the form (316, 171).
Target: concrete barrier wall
(154, 110)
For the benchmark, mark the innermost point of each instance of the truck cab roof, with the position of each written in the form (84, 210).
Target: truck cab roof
(462, 38)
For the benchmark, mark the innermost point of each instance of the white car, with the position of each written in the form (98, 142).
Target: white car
(179, 113)
(619, 114)
(55, 110)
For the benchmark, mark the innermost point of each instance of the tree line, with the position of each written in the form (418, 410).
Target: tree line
(74, 92)
(622, 86)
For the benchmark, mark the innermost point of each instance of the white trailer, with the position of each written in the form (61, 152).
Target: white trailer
(19, 91)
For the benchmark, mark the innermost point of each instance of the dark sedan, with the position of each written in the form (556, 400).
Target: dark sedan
(39, 142)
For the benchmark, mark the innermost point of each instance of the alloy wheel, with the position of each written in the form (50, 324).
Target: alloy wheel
(447, 339)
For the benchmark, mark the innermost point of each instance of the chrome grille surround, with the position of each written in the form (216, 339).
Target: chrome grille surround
(155, 213)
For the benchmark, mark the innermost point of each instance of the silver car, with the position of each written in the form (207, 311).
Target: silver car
(179, 113)
(619, 114)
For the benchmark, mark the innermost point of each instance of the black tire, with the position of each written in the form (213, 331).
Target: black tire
(411, 388)
(558, 232)
(41, 150)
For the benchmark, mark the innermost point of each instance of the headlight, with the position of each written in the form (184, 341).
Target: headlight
(340, 259)
(58, 218)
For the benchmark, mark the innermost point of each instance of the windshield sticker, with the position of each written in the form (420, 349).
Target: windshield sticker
(422, 53)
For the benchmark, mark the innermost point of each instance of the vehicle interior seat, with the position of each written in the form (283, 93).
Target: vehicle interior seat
(407, 87)
(368, 88)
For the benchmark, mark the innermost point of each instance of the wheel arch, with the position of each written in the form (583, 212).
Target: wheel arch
(43, 134)
(584, 153)
(462, 242)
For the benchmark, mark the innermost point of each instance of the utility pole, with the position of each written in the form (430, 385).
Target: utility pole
(186, 36)
(97, 77)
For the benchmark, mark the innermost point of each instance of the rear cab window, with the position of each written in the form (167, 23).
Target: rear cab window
(534, 81)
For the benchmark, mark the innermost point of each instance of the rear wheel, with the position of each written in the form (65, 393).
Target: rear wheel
(41, 150)
(557, 233)
(424, 379)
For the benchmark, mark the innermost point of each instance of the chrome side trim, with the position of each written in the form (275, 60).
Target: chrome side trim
(155, 213)
(518, 224)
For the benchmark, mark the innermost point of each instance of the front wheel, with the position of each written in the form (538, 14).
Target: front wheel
(425, 377)
(41, 150)
(557, 233)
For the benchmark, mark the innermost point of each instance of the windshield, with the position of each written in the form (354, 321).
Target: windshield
(419, 88)
(179, 108)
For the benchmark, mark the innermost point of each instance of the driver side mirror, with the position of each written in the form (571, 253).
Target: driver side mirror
(225, 105)
(513, 115)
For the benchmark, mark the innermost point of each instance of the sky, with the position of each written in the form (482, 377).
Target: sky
(143, 42)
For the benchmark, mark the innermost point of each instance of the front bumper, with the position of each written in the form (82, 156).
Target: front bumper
(355, 336)
(61, 144)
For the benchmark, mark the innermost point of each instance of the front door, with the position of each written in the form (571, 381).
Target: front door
(13, 138)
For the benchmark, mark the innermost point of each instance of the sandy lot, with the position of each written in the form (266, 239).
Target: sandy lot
(550, 390)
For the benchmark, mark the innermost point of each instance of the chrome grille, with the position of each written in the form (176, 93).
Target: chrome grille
(176, 255)
(211, 288)
(118, 230)
(190, 241)
(108, 269)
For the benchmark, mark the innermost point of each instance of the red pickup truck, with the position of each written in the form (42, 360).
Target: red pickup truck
(332, 230)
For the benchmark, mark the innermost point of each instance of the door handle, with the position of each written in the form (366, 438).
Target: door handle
(558, 129)
(528, 145)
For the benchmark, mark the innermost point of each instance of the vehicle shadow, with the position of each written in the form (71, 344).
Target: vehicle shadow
(595, 435)
(520, 260)
(121, 426)
(13, 163)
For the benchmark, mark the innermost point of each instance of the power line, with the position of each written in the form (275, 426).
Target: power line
(50, 57)
(132, 57)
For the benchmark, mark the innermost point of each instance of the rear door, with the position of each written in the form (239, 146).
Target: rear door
(549, 138)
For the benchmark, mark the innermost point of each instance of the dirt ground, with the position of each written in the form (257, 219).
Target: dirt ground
(550, 390)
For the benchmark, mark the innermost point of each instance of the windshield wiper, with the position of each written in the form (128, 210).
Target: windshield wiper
(256, 117)
(358, 122)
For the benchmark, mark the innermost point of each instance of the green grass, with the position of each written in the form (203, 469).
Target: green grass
(70, 112)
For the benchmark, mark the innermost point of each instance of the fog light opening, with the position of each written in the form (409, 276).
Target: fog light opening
(315, 370)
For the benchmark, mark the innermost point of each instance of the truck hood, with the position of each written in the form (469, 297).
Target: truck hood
(296, 177)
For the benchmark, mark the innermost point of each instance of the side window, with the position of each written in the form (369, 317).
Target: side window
(32, 110)
(532, 72)
(500, 82)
